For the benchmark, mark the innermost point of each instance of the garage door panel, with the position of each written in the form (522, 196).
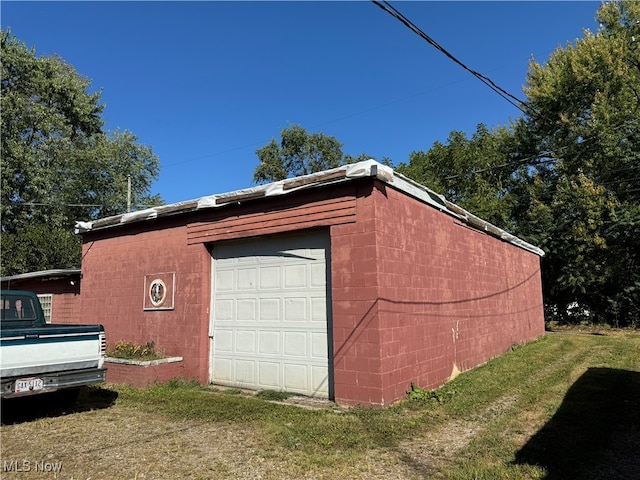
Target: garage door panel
(269, 343)
(223, 341)
(319, 345)
(295, 309)
(319, 380)
(295, 276)
(270, 309)
(269, 375)
(225, 309)
(245, 341)
(224, 369)
(272, 294)
(270, 277)
(318, 276)
(224, 280)
(245, 372)
(295, 344)
(246, 310)
(319, 310)
(296, 377)
(248, 259)
(247, 279)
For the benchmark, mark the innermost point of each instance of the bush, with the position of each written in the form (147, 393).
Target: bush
(131, 351)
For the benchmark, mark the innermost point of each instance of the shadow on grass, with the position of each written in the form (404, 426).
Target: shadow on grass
(28, 409)
(595, 434)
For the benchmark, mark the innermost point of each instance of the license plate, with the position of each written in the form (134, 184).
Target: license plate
(29, 385)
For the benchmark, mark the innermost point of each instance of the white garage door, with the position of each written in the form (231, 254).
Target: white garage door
(269, 314)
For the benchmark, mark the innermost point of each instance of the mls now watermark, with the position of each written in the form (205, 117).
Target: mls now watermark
(29, 466)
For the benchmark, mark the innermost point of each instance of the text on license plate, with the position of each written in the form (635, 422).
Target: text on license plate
(29, 384)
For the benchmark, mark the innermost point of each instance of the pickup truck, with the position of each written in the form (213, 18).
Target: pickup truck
(36, 357)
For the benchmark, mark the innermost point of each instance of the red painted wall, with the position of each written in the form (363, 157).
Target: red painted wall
(116, 260)
(141, 376)
(354, 293)
(114, 266)
(418, 296)
(65, 308)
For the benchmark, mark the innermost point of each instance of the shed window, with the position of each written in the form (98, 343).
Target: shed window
(46, 300)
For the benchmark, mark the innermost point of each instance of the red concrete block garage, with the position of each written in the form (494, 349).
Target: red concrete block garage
(347, 284)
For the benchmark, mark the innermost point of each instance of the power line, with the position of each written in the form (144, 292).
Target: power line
(38, 204)
(512, 99)
(386, 6)
(621, 181)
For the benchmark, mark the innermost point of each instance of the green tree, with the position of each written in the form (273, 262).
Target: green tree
(298, 153)
(58, 164)
(565, 176)
(475, 173)
(584, 118)
(301, 153)
(36, 246)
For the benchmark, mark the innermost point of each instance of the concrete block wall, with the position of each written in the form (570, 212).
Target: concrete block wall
(65, 308)
(141, 376)
(116, 260)
(113, 290)
(416, 295)
(450, 297)
(354, 294)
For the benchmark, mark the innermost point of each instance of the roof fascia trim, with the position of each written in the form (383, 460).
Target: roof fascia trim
(368, 168)
(68, 272)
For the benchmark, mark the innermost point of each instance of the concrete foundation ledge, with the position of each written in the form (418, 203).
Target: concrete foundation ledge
(143, 363)
(143, 373)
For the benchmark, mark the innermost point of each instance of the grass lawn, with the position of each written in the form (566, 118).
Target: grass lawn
(564, 407)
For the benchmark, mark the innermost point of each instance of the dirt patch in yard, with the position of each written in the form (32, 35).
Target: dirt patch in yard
(100, 439)
(441, 446)
(497, 422)
(127, 443)
(119, 442)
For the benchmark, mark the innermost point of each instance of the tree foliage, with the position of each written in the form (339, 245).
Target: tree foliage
(565, 176)
(58, 164)
(298, 153)
(585, 115)
(37, 246)
(469, 171)
(301, 153)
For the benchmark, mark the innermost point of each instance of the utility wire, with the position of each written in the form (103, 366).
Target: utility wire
(520, 162)
(513, 100)
(386, 6)
(38, 204)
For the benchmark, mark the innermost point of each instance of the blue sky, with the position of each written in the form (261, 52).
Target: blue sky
(207, 83)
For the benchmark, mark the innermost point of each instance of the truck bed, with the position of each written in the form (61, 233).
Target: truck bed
(47, 359)
(36, 357)
(49, 349)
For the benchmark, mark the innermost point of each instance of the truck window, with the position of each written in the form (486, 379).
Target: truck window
(17, 308)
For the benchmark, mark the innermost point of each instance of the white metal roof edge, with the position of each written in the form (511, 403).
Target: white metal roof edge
(283, 187)
(368, 168)
(62, 272)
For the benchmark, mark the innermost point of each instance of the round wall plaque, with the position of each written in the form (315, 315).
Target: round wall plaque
(157, 292)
